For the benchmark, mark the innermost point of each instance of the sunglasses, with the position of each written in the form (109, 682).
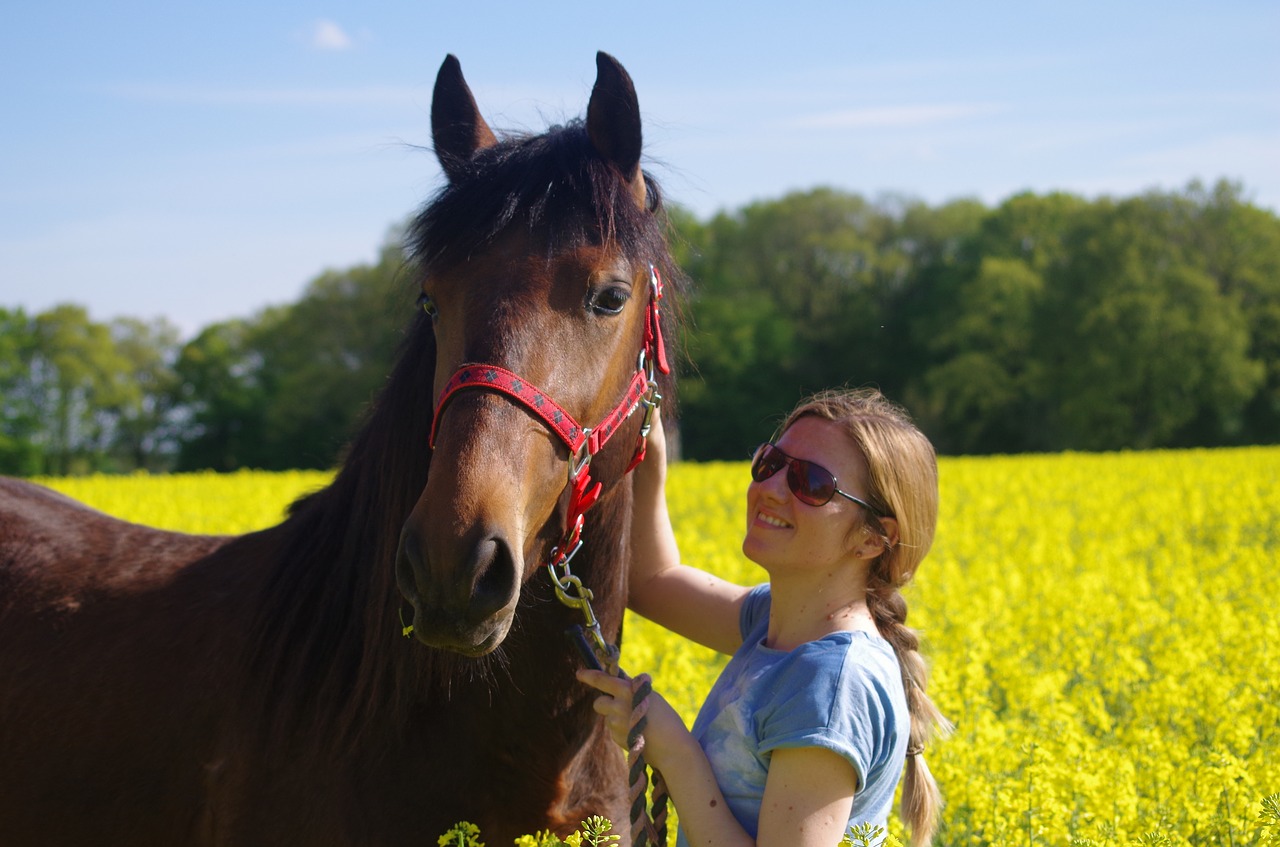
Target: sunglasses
(810, 483)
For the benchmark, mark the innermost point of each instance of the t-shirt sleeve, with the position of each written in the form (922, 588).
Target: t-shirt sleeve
(755, 609)
(827, 698)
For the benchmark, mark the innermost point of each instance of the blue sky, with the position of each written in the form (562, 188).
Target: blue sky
(203, 160)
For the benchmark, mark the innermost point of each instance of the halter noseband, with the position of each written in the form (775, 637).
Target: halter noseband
(583, 442)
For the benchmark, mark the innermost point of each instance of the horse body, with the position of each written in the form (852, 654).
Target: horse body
(145, 725)
(108, 675)
(160, 688)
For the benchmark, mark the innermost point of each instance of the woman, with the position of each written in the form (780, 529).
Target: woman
(808, 728)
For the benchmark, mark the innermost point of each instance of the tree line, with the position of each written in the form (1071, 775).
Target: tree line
(1048, 322)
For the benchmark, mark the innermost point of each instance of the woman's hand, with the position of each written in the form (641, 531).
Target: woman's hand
(670, 749)
(654, 466)
(664, 731)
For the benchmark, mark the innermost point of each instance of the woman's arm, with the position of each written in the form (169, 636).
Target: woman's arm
(807, 798)
(671, 749)
(690, 602)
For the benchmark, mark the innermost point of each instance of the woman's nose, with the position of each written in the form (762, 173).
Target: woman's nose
(776, 487)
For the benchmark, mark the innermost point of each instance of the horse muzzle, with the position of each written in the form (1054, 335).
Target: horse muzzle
(463, 600)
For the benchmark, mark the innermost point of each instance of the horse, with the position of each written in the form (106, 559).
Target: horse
(158, 688)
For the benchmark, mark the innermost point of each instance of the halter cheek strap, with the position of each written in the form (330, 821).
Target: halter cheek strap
(583, 442)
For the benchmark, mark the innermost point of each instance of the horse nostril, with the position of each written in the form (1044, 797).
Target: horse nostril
(409, 563)
(495, 572)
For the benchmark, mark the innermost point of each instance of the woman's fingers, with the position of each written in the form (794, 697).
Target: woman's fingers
(614, 704)
(605, 683)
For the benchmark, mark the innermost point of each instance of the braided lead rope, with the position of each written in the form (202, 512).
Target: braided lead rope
(648, 823)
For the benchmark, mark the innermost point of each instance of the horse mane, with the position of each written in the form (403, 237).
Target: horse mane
(326, 647)
(554, 183)
(319, 644)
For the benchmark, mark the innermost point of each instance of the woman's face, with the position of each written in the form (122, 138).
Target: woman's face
(782, 531)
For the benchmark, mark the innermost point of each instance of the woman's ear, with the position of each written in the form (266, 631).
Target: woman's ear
(890, 537)
(876, 543)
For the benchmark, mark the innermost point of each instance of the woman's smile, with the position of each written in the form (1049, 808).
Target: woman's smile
(769, 520)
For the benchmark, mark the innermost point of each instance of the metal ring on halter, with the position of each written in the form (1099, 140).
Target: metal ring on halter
(556, 561)
(649, 367)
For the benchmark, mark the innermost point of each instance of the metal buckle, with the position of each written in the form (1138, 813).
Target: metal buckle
(579, 461)
(651, 401)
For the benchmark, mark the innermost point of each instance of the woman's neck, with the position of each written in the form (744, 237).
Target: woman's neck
(806, 607)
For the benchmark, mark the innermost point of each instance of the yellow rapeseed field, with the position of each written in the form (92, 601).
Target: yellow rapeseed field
(1103, 629)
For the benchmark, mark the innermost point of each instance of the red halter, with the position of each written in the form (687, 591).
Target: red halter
(583, 442)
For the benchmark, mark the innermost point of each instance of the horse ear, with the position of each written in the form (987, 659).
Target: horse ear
(613, 122)
(457, 128)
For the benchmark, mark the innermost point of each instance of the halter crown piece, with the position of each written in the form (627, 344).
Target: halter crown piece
(583, 443)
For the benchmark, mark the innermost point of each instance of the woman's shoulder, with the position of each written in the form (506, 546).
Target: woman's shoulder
(842, 686)
(846, 660)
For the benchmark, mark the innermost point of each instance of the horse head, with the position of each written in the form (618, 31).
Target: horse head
(537, 263)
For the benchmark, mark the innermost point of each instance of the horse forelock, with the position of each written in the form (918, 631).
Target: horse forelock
(561, 194)
(553, 185)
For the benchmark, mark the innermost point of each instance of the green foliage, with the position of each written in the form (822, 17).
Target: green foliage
(461, 834)
(867, 835)
(287, 388)
(20, 426)
(543, 838)
(595, 831)
(1269, 820)
(1049, 322)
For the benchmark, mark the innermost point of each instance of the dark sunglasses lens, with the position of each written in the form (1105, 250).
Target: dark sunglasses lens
(812, 483)
(769, 460)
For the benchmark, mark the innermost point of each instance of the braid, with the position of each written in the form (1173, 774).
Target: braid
(921, 797)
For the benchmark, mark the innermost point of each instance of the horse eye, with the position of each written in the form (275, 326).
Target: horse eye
(608, 301)
(428, 305)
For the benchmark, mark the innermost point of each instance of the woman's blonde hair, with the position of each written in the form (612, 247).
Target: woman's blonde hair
(902, 482)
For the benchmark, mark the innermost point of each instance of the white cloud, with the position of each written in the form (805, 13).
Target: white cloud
(327, 35)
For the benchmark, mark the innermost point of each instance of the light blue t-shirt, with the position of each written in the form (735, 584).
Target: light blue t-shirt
(842, 692)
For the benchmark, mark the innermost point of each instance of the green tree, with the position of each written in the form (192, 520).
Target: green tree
(1138, 339)
(143, 430)
(1238, 246)
(21, 450)
(78, 376)
(790, 296)
(976, 379)
(980, 335)
(219, 400)
(287, 388)
(325, 358)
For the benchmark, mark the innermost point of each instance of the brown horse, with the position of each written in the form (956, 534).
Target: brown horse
(166, 689)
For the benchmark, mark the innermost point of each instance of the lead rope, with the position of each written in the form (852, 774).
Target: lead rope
(650, 799)
(648, 823)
